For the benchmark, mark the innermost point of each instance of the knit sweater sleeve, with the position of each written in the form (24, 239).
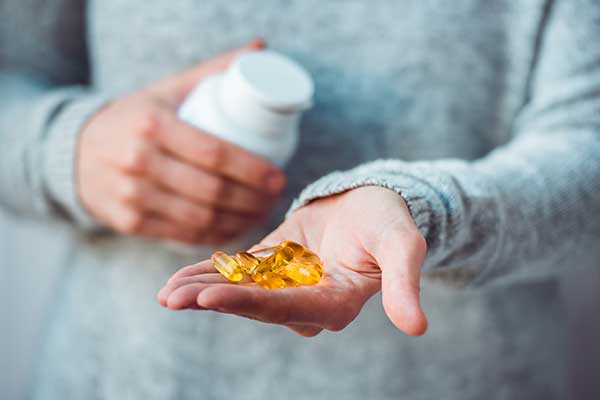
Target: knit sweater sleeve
(531, 200)
(43, 105)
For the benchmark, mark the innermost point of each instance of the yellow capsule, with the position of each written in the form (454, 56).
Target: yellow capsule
(269, 280)
(288, 264)
(297, 248)
(266, 264)
(275, 261)
(227, 266)
(289, 282)
(301, 253)
(264, 252)
(247, 261)
(275, 283)
(301, 273)
(310, 259)
(316, 266)
(286, 254)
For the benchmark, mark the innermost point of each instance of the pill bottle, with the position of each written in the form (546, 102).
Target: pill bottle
(256, 104)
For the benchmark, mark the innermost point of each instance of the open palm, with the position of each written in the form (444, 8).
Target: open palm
(367, 241)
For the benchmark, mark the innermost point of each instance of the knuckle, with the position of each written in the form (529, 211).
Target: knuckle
(213, 153)
(130, 222)
(178, 233)
(211, 217)
(199, 236)
(187, 213)
(192, 215)
(148, 124)
(216, 189)
(131, 192)
(137, 158)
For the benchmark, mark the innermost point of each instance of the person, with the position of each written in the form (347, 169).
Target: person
(483, 116)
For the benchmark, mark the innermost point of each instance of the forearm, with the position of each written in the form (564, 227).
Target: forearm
(529, 201)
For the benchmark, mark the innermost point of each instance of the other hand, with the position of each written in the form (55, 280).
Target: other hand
(142, 171)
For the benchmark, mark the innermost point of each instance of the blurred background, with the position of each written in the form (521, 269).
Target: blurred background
(28, 289)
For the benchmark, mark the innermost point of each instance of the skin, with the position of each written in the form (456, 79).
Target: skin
(368, 242)
(141, 171)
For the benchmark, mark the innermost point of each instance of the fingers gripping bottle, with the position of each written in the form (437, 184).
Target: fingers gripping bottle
(256, 104)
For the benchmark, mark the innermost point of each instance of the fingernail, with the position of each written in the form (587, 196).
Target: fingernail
(275, 182)
(257, 43)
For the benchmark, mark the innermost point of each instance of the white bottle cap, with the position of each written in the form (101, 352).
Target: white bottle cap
(257, 104)
(273, 80)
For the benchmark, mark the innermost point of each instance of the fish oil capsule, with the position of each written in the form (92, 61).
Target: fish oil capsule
(310, 259)
(265, 264)
(301, 273)
(286, 265)
(264, 252)
(247, 261)
(301, 253)
(278, 259)
(297, 248)
(227, 266)
(286, 254)
(318, 267)
(289, 282)
(269, 280)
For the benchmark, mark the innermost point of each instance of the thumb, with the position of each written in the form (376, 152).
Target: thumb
(176, 87)
(400, 258)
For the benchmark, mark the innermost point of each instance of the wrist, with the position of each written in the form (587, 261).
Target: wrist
(60, 153)
(414, 192)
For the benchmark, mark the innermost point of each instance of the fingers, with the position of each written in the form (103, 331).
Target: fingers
(306, 310)
(184, 297)
(146, 198)
(218, 157)
(183, 158)
(201, 186)
(183, 288)
(129, 221)
(140, 136)
(180, 293)
(176, 87)
(400, 258)
(139, 193)
(191, 270)
(309, 306)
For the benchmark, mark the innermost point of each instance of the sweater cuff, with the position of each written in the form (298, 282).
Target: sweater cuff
(71, 113)
(416, 193)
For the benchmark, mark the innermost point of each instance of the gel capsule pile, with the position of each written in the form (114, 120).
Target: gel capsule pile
(288, 264)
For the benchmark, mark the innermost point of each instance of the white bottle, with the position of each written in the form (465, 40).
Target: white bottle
(257, 104)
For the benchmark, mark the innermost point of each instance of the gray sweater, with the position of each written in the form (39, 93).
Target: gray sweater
(483, 115)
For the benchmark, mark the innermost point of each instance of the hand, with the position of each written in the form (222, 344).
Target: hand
(367, 240)
(142, 171)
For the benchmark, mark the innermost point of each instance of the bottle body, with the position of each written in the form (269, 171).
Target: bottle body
(256, 104)
(203, 109)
